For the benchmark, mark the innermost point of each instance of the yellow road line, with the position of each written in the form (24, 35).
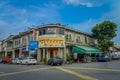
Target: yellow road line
(100, 69)
(76, 74)
(12, 73)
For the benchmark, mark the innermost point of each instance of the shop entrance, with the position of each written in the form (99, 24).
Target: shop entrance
(51, 54)
(9, 54)
(17, 53)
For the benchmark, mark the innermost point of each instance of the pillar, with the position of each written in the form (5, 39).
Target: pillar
(38, 55)
(20, 52)
(64, 54)
(6, 53)
(47, 55)
(44, 53)
(13, 54)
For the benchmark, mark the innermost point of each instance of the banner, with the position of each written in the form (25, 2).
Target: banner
(33, 45)
(51, 42)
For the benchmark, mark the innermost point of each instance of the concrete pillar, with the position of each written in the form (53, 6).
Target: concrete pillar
(29, 54)
(44, 53)
(47, 55)
(38, 55)
(59, 52)
(64, 54)
(20, 52)
(5, 53)
(13, 54)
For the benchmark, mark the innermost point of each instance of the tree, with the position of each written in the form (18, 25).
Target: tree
(104, 32)
(105, 45)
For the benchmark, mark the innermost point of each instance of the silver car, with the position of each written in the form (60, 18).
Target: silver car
(17, 61)
(29, 60)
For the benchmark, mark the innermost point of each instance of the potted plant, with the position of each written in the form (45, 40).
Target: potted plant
(45, 60)
(69, 58)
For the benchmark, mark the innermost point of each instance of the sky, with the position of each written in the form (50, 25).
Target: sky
(19, 15)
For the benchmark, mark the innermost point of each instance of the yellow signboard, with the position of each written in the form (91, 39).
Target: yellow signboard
(51, 42)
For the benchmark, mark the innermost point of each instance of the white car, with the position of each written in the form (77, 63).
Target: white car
(29, 60)
(17, 60)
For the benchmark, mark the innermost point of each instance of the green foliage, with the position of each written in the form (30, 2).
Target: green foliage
(69, 57)
(105, 45)
(45, 59)
(104, 32)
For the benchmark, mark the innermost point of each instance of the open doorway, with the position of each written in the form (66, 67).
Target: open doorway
(51, 53)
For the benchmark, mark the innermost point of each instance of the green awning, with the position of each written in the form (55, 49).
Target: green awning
(85, 50)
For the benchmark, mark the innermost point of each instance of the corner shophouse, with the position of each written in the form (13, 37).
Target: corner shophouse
(58, 40)
(53, 40)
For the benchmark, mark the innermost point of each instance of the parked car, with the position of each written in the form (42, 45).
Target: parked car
(6, 59)
(104, 58)
(17, 60)
(55, 61)
(29, 60)
(115, 57)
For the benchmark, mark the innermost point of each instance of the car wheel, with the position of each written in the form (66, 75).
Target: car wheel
(107, 60)
(52, 64)
(26, 63)
(60, 64)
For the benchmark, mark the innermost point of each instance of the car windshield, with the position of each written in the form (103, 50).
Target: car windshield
(20, 58)
(31, 58)
(57, 58)
(106, 56)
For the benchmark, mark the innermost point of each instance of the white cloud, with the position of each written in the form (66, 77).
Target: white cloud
(112, 15)
(87, 3)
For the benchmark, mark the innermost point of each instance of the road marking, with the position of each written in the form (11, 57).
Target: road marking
(100, 69)
(76, 74)
(12, 73)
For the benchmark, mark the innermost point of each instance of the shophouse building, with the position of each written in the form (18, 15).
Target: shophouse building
(58, 40)
(6, 46)
(21, 44)
(49, 40)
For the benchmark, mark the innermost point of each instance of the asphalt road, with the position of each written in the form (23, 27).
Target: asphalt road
(76, 71)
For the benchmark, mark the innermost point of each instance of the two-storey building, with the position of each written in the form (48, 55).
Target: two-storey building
(48, 41)
(21, 44)
(58, 40)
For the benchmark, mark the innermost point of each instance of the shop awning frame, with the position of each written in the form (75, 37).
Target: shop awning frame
(85, 50)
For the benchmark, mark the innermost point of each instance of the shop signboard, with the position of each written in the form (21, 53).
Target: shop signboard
(51, 42)
(33, 45)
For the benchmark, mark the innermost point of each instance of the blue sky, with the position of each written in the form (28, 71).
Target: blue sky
(17, 15)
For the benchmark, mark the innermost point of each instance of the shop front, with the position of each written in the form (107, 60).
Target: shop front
(85, 53)
(25, 52)
(51, 47)
(16, 53)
